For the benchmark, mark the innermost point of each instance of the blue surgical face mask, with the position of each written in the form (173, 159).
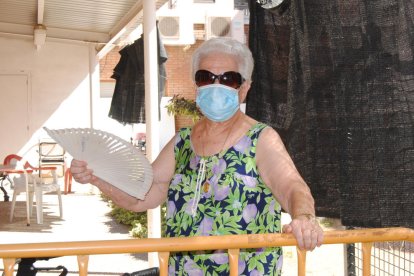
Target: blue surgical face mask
(217, 102)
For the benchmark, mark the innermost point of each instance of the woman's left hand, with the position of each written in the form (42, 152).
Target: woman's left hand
(306, 230)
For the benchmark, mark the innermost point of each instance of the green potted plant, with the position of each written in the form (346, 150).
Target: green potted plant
(184, 107)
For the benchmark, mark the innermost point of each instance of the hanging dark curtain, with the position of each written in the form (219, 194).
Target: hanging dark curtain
(336, 80)
(128, 101)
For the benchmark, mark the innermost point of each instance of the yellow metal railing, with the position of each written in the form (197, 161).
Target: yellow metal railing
(10, 252)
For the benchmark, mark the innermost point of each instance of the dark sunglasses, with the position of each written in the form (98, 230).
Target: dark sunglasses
(230, 78)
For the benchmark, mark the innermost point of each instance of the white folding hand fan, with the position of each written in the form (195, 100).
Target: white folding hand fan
(110, 157)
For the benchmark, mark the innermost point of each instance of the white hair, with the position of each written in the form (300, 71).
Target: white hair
(229, 46)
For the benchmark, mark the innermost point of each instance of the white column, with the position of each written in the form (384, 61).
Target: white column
(151, 110)
(94, 84)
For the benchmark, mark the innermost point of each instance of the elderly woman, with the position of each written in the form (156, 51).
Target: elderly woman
(228, 174)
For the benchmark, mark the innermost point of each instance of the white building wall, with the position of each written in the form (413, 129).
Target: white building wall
(63, 91)
(58, 88)
(197, 12)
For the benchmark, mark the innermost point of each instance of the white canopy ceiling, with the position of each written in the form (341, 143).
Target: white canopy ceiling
(105, 22)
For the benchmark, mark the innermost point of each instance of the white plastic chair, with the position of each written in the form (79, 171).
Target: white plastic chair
(32, 181)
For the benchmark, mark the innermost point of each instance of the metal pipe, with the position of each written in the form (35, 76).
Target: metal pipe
(9, 252)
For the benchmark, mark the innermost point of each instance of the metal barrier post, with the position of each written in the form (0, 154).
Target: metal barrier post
(163, 260)
(301, 262)
(9, 266)
(234, 261)
(83, 261)
(366, 258)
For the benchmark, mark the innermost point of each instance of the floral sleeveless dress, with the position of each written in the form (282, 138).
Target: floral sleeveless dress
(228, 198)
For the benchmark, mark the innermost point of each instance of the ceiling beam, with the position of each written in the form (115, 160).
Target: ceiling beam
(121, 27)
(58, 33)
(40, 11)
(128, 19)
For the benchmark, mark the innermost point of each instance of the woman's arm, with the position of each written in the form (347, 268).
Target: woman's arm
(280, 174)
(163, 170)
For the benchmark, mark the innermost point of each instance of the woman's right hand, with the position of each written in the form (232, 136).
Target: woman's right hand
(80, 172)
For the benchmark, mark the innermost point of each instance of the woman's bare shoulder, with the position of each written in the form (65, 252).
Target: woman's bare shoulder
(270, 142)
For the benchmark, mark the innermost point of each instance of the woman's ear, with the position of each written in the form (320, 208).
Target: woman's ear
(243, 90)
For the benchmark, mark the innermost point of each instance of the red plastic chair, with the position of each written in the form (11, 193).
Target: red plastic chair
(68, 181)
(5, 176)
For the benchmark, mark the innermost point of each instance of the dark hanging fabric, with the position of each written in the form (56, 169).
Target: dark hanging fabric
(128, 101)
(336, 79)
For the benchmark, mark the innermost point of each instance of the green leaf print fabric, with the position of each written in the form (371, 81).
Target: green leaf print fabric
(231, 199)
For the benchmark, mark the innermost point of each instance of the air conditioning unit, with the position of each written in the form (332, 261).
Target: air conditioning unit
(225, 26)
(218, 26)
(176, 30)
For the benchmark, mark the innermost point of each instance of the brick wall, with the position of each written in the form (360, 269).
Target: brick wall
(108, 63)
(179, 80)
